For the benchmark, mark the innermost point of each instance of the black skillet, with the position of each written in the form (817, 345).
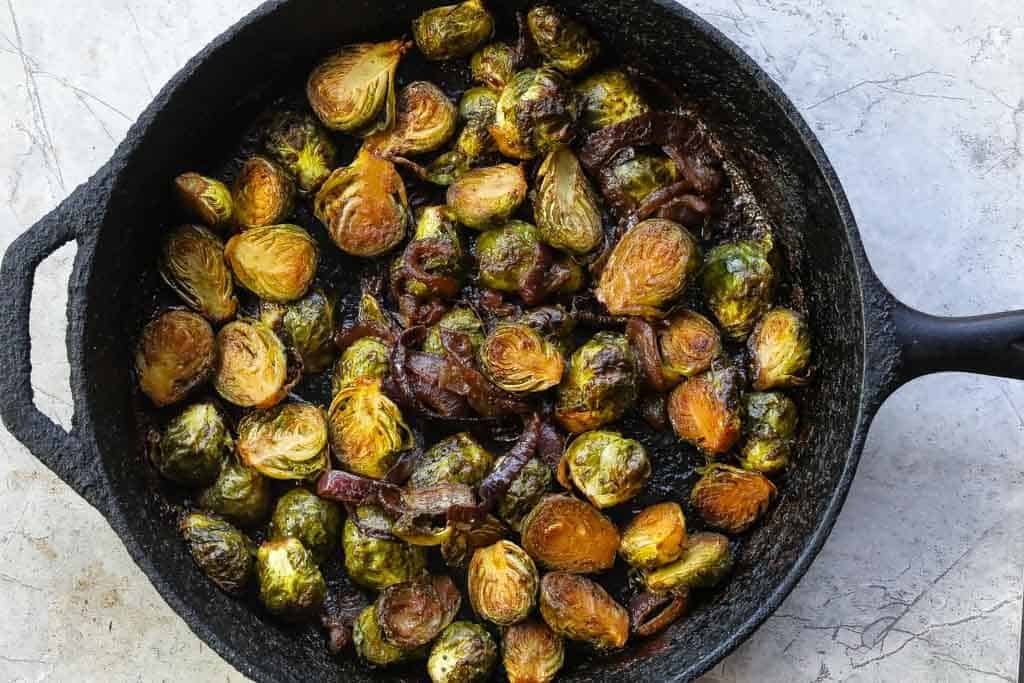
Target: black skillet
(867, 343)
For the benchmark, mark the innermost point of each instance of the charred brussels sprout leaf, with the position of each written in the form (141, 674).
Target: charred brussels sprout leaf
(413, 613)
(502, 583)
(566, 534)
(378, 563)
(276, 262)
(220, 550)
(465, 653)
(291, 585)
(300, 145)
(688, 343)
(252, 367)
(607, 98)
(532, 653)
(367, 430)
(769, 423)
(655, 537)
(308, 324)
(565, 43)
(453, 31)
(370, 643)
(600, 386)
(366, 357)
(425, 121)
(517, 358)
(579, 609)
(732, 499)
(192, 447)
(780, 350)
(486, 197)
(263, 194)
(705, 561)
(192, 264)
(288, 441)
(240, 495)
(457, 459)
(493, 65)
(536, 113)
(565, 205)
(738, 282)
(460, 319)
(175, 354)
(705, 410)
(529, 487)
(205, 199)
(314, 521)
(607, 468)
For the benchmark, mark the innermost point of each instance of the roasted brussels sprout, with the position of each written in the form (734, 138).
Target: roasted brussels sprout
(565, 205)
(291, 585)
(529, 487)
(465, 653)
(453, 31)
(308, 324)
(370, 643)
(483, 198)
(606, 467)
(632, 177)
(532, 652)
(494, 65)
(263, 194)
(459, 546)
(517, 358)
(175, 354)
(367, 431)
(364, 206)
(738, 281)
(288, 441)
(240, 495)
(424, 122)
(705, 409)
(302, 147)
(461, 319)
(220, 550)
(705, 561)
(689, 343)
(457, 459)
(353, 90)
(731, 499)
(377, 563)
(565, 43)
(600, 386)
(607, 98)
(192, 264)
(579, 609)
(566, 534)
(478, 107)
(536, 113)
(655, 537)
(252, 366)
(648, 268)
(512, 259)
(205, 199)
(413, 613)
(276, 262)
(780, 350)
(502, 583)
(769, 424)
(314, 521)
(436, 254)
(192, 447)
(555, 323)
(366, 357)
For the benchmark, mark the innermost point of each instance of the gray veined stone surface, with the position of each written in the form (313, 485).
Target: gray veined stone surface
(919, 104)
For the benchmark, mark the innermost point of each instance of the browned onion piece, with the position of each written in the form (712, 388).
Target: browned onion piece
(340, 612)
(345, 487)
(419, 251)
(651, 613)
(458, 346)
(421, 313)
(533, 287)
(550, 444)
(645, 345)
(349, 335)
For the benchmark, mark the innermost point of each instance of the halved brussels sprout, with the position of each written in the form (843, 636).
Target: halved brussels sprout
(453, 31)
(649, 267)
(738, 281)
(308, 324)
(377, 563)
(353, 90)
(769, 423)
(532, 652)
(607, 468)
(632, 177)
(205, 199)
(579, 609)
(732, 499)
(175, 354)
(486, 197)
(527, 489)
(536, 113)
(493, 65)
(220, 550)
(465, 653)
(412, 614)
(706, 560)
(191, 448)
(367, 431)
(240, 495)
(502, 583)
(370, 644)
(263, 194)
(705, 410)
(288, 441)
(506, 255)
(566, 534)
(517, 358)
(252, 366)
(366, 357)
(780, 350)
(655, 537)
(445, 256)
(689, 343)
(461, 319)
(600, 386)
(607, 98)
(276, 262)
(314, 521)
(291, 585)
(425, 121)
(192, 264)
(457, 459)
(565, 43)
(364, 206)
(565, 205)
(300, 145)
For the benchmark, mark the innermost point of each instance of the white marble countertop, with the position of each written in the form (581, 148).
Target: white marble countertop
(919, 104)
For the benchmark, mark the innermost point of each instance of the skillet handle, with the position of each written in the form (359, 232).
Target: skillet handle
(77, 218)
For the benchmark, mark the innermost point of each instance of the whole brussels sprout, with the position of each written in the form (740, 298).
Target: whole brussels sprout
(461, 319)
(413, 613)
(276, 262)
(532, 652)
(478, 106)
(287, 441)
(607, 98)
(579, 609)
(600, 386)
(527, 489)
(780, 350)
(205, 199)
(517, 358)
(366, 429)
(457, 459)
(607, 468)
(424, 122)
(192, 264)
(175, 354)
(649, 267)
(314, 521)
(252, 366)
(366, 357)
(302, 147)
(353, 90)
(565, 205)
(377, 563)
(435, 228)
(220, 550)
(308, 324)
(705, 410)
(688, 343)
(537, 113)
(502, 583)
(370, 644)
(465, 653)
(655, 537)
(769, 423)
(738, 281)
(732, 499)
(705, 561)
(453, 31)
(565, 43)
(240, 495)
(192, 446)
(563, 533)
(493, 65)
(632, 177)
(291, 585)
(262, 194)
(364, 206)
(506, 255)
(486, 197)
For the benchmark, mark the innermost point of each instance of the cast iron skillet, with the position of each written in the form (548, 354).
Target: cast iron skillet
(867, 343)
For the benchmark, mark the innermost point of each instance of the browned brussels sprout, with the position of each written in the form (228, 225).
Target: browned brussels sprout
(302, 147)
(689, 343)
(291, 585)
(649, 267)
(465, 653)
(314, 521)
(732, 499)
(252, 366)
(607, 468)
(276, 262)
(461, 319)
(600, 386)
(366, 357)
(457, 459)
(739, 282)
(192, 447)
(220, 550)
(512, 259)
(370, 644)
(413, 613)
(353, 90)
(192, 264)
(175, 354)
(263, 194)
(308, 324)
(705, 561)
(705, 410)
(517, 358)
(453, 31)
(205, 199)
(533, 482)
(655, 537)
(377, 563)
(240, 495)
(565, 43)
(364, 206)
(532, 652)
(434, 261)
(425, 121)
(459, 546)
(486, 197)
(494, 65)
(607, 98)
(769, 424)
(565, 205)
(502, 583)
(780, 350)
(366, 429)
(288, 441)
(536, 113)
(632, 177)
(579, 609)
(566, 534)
